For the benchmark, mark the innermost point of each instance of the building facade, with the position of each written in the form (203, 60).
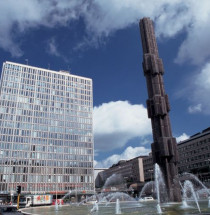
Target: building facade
(194, 155)
(46, 138)
(98, 177)
(148, 167)
(124, 173)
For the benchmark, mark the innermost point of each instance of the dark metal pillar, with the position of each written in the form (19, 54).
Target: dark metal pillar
(164, 147)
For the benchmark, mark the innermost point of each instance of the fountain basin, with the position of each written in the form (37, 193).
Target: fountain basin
(149, 208)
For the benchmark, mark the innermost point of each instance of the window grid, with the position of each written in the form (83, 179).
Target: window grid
(45, 130)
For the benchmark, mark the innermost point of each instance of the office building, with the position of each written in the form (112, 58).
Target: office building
(148, 167)
(98, 177)
(194, 155)
(126, 173)
(46, 138)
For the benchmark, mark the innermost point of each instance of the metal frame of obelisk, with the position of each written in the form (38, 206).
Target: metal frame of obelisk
(164, 147)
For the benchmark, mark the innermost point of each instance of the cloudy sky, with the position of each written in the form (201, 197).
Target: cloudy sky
(100, 39)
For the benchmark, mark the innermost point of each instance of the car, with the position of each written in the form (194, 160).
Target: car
(146, 198)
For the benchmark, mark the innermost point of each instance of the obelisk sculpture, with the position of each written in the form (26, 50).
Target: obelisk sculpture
(164, 147)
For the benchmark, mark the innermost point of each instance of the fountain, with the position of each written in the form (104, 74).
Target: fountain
(117, 208)
(119, 195)
(147, 186)
(95, 207)
(188, 186)
(195, 178)
(122, 203)
(158, 181)
(113, 180)
(56, 205)
(159, 209)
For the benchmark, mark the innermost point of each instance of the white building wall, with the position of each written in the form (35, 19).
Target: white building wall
(46, 134)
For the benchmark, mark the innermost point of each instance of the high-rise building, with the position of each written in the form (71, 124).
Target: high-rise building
(46, 138)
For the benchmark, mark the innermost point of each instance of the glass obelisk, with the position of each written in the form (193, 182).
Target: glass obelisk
(164, 147)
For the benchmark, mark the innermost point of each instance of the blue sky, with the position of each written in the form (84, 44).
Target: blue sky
(100, 39)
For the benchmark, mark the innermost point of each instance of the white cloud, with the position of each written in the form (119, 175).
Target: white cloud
(195, 108)
(194, 47)
(104, 17)
(171, 17)
(52, 48)
(115, 123)
(128, 154)
(182, 137)
(20, 15)
(199, 91)
(203, 79)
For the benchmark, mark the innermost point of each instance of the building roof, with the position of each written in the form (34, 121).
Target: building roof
(196, 136)
(125, 161)
(62, 72)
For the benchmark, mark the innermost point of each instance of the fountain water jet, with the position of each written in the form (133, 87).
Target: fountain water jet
(159, 209)
(146, 186)
(117, 208)
(118, 195)
(114, 179)
(197, 180)
(95, 207)
(157, 183)
(188, 186)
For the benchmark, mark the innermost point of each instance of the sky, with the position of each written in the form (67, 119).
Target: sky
(100, 39)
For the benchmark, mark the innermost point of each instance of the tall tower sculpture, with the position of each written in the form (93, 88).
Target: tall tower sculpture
(164, 147)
